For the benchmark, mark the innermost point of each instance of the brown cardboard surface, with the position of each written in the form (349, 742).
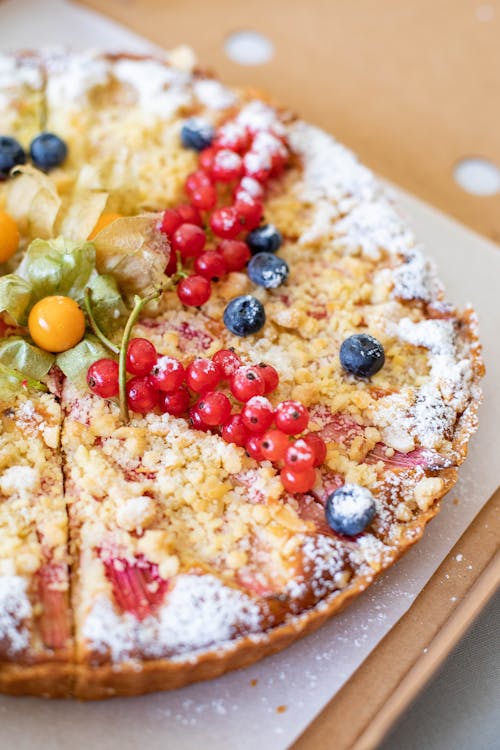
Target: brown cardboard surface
(411, 86)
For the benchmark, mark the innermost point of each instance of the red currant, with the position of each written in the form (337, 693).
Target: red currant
(206, 158)
(292, 417)
(271, 377)
(253, 447)
(210, 265)
(141, 356)
(227, 166)
(203, 375)
(196, 420)
(300, 456)
(228, 361)
(189, 214)
(171, 221)
(246, 383)
(249, 186)
(194, 291)
(214, 408)
(232, 136)
(225, 222)
(318, 446)
(197, 179)
(102, 378)
(234, 431)
(250, 210)
(168, 374)
(236, 254)
(204, 197)
(274, 444)
(257, 164)
(142, 396)
(175, 403)
(189, 240)
(297, 481)
(258, 414)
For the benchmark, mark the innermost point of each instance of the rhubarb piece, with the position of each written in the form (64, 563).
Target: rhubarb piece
(53, 623)
(137, 587)
(424, 457)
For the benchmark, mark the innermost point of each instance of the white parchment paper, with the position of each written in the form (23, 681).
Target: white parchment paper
(270, 704)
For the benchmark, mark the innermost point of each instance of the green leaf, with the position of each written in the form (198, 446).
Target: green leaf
(108, 306)
(18, 354)
(58, 266)
(15, 295)
(75, 362)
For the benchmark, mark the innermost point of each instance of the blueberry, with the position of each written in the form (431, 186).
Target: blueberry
(267, 270)
(48, 151)
(11, 154)
(362, 355)
(244, 315)
(350, 509)
(197, 134)
(264, 239)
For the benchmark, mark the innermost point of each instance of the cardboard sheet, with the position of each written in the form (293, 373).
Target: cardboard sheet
(271, 703)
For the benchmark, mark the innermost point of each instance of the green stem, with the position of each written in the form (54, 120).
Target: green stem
(122, 362)
(93, 324)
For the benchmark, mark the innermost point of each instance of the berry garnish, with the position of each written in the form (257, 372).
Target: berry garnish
(274, 444)
(196, 420)
(362, 355)
(142, 396)
(211, 265)
(197, 179)
(250, 186)
(194, 291)
(246, 383)
(264, 239)
(48, 151)
(225, 222)
(292, 417)
(300, 455)
(235, 253)
(227, 166)
(297, 481)
(228, 361)
(253, 447)
(318, 446)
(232, 136)
(267, 270)
(206, 159)
(244, 315)
(56, 323)
(204, 197)
(214, 408)
(189, 214)
(250, 210)
(168, 374)
(257, 165)
(257, 414)
(104, 220)
(175, 402)
(9, 236)
(11, 154)
(171, 221)
(271, 377)
(203, 375)
(189, 240)
(234, 431)
(102, 378)
(141, 357)
(350, 509)
(197, 134)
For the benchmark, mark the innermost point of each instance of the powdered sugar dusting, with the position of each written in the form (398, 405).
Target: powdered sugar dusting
(199, 612)
(213, 94)
(15, 608)
(416, 278)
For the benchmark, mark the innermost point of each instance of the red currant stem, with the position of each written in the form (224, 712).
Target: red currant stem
(93, 324)
(21, 378)
(139, 304)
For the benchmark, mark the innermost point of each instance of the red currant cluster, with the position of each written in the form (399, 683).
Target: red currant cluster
(238, 163)
(263, 430)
